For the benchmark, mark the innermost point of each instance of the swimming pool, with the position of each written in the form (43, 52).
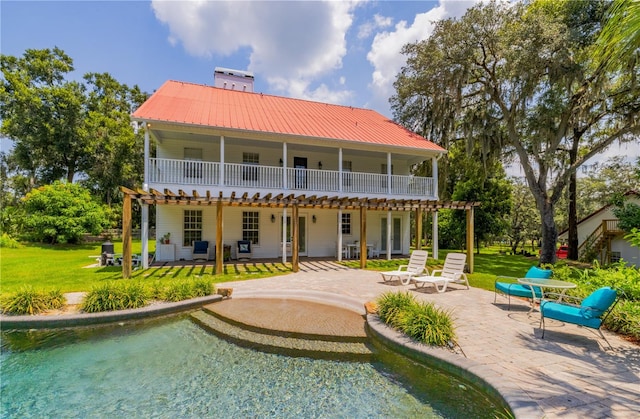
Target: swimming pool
(173, 368)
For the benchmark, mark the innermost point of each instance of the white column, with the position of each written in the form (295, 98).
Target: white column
(389, 173)
(221, 182)
(434, 174)
(434, 234)
(284, 235)
(339, 244)
(284, 168)
(144, 233)
(389, 235)
(340, 172)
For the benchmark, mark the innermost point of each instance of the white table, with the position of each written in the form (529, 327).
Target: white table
(545, 283)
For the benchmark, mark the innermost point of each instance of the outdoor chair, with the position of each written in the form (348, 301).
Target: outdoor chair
(416, 266)
(591, 312)
(452, 272)
(244, 249)
(508, 286)
(200, 250)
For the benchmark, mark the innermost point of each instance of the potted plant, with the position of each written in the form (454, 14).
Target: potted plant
(166, 239)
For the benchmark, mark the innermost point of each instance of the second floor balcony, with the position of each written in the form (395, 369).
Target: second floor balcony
(184, 174)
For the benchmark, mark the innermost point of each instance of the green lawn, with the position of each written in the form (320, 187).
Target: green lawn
(64, 267)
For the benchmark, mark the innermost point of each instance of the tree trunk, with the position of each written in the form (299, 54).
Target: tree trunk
(549, 234)
(573, 209)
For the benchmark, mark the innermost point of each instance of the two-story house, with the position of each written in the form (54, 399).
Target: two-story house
(293, 177)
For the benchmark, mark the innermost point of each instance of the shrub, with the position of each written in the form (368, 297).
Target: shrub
(115, 296)
(625, 319)
(62, 213)
(421, 321)
(391, 304)
(30, 301)
(202, 287)
(8, 242)
(426, 323)
(178, 291)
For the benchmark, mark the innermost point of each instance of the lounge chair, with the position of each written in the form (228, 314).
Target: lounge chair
(591, 313)
(416, 266)
(508, 286)
(451, 272)
(200, 250)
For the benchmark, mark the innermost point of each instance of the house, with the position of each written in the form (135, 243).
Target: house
(293, 177)
(600, 238)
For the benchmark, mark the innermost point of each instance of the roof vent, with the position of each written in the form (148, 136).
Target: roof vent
(225, 78)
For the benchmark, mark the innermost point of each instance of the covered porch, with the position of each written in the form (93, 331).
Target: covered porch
(290, 205)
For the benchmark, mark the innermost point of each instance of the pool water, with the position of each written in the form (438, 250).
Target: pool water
(172, 368)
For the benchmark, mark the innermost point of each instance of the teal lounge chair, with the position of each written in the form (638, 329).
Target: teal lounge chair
(508, 286)
(591, 313)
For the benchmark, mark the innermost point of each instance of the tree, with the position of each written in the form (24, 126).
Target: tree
(62, 213)
(524, 219)
(619, 40)
(520, 75)
(43, 114)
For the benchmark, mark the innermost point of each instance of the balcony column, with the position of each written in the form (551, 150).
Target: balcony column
(389, 173)
(284, 175)
(434, 234)
(340, 178)
(144, 233)
(221, 168)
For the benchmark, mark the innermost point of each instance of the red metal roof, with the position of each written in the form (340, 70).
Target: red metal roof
(195, 104)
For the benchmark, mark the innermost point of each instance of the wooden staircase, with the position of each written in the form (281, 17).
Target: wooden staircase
(597, 246)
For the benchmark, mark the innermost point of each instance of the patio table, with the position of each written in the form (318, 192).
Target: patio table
(545, 283)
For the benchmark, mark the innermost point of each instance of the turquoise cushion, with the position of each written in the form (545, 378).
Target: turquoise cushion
(567, 313)
(535, 272)
(517, 289)
(598, 302)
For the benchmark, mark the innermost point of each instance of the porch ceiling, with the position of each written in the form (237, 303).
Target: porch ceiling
(168, 197)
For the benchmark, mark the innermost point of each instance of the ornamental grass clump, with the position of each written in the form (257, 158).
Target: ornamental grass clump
(30, 301)
(421, 321)
(392, 304)
(115, 296)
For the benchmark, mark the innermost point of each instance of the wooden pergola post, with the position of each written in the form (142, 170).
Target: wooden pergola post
(418, 228)
(363, 237)
(126, 236)
(470, 228)
(295, 242)
(219, 244)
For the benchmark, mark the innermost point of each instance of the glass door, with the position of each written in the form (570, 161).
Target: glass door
(302, 234)
(396, 235)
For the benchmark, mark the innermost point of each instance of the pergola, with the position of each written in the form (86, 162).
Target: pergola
(292, 201)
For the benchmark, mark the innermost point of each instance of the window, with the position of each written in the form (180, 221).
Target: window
(250, 173)
(192, 227)
(615, 257)
(193, 162)
(250, 226)
(346, 223)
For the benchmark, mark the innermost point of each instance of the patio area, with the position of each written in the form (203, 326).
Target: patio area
(571, 373)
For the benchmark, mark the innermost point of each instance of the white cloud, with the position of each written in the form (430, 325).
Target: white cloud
(379, 22)
(290, 44)
(385, 50)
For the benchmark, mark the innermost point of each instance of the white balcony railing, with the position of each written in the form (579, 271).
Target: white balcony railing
(200, 173)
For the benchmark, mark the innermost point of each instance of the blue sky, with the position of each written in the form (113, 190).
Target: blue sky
(343, 52)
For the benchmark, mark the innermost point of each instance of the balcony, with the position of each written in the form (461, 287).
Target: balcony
(168, 173)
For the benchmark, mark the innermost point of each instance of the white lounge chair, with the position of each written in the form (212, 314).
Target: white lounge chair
(416, 266)
(452, 271)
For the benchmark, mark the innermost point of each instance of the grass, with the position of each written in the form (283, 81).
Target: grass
(64, 268)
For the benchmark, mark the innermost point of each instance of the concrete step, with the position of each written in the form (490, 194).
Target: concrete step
(265, 341)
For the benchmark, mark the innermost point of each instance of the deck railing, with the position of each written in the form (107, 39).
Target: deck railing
(200, 173)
